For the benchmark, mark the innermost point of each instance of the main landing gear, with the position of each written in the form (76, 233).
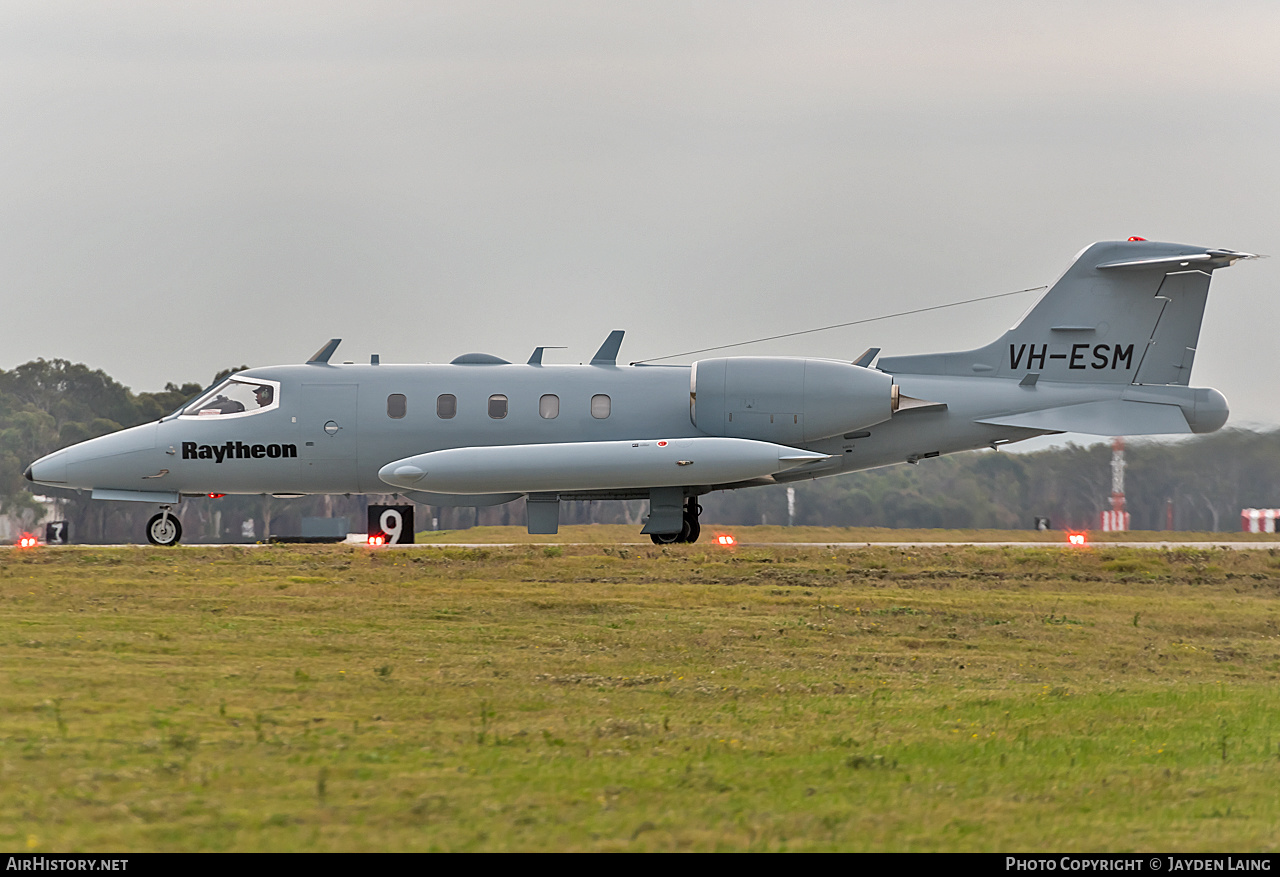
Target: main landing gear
(164, 528)
(690, 529)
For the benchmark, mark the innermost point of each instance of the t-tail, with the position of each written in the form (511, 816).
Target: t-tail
(1127, 315)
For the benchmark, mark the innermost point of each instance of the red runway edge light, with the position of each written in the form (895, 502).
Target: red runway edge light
(377, 539)
(724, 540)
(27, 541)
(1077, 539)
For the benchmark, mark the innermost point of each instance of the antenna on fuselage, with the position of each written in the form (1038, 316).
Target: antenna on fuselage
(868, 356)
(322, 355)
(536, 358)
(608, 352)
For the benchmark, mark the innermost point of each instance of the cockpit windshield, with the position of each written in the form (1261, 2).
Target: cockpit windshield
(235, 396)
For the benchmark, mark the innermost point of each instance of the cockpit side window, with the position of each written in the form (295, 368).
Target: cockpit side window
(235, 396)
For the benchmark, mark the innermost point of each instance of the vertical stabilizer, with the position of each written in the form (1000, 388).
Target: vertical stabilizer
(1125, 312)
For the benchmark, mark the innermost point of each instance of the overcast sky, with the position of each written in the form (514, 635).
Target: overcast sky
(188, 187)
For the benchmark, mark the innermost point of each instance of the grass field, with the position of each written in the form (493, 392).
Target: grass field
(628, 534)
(605, 697)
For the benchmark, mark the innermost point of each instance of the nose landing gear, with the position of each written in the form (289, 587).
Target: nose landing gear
(690, 529)
(164, 529)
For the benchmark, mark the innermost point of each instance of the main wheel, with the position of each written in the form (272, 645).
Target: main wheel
(164, 530)
(692, 529)
(672, 538)
(689, 528)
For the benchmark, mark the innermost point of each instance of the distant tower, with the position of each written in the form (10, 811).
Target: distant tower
(1117, 519)
(1117, 474)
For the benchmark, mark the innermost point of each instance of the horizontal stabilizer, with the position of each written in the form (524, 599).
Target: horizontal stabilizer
(1112, 417)
(1208, 259)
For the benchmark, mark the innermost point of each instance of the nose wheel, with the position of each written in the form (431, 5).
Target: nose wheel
(164, 529)
(690, 529)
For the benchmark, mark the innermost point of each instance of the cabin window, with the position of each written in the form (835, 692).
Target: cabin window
(600, 406)
(396, 406)
(497, 406)
(446, 406)
(235, 396)
(549, 406)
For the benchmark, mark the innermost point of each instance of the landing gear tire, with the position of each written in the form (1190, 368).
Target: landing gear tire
(668, 538)
(692, 529)
(164, 529)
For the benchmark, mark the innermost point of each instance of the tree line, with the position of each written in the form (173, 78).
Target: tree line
(1199, 483)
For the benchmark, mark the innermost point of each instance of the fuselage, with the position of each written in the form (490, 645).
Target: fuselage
(331, 427)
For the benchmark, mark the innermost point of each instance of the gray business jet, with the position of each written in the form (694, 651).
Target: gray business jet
(1107, 350)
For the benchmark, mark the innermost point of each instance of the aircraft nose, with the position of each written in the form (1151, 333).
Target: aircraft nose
(49, 470)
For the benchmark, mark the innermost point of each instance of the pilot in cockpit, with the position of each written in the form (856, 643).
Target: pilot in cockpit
(240, 397)
(222, 405)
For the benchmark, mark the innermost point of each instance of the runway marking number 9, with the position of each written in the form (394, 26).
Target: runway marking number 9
(390, 524)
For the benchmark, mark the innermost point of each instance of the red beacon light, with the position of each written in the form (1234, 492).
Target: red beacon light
(1136, 238)
(216, 495)
(1077, 539)
(26, 540)
(724, 540)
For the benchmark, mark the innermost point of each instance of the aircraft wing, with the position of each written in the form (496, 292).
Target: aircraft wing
(1110, 417)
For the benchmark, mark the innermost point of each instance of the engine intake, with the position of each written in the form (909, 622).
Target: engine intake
(787, 400)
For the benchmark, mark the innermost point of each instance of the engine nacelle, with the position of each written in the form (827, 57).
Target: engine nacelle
(787, 400)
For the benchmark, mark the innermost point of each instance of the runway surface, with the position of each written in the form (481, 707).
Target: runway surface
(1226, 545)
